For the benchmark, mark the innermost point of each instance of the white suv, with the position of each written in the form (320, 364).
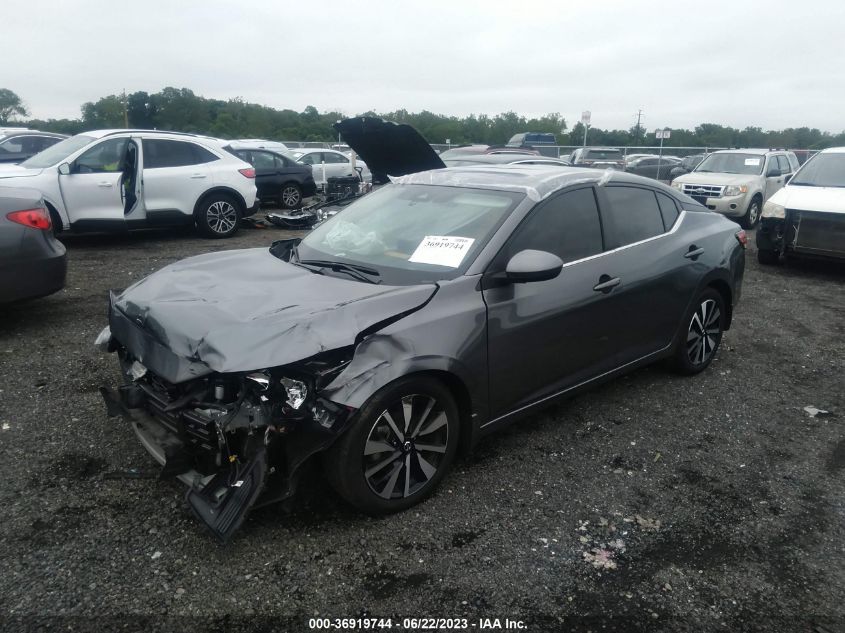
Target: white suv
(110, 180)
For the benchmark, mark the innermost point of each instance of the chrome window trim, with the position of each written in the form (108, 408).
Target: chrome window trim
(671, 231)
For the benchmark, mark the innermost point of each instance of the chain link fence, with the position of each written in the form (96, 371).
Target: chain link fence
(564, 151)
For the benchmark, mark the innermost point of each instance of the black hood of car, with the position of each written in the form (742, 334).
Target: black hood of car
(246, 309)
(390, 148)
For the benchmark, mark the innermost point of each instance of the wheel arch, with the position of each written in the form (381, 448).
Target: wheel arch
(723, 288)
(55, 216)
(221, 189)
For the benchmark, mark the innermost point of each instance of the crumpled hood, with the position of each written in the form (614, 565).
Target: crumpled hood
(824, 199)
(246, 309)
(390, 148)
(16, 171)
(714, 178)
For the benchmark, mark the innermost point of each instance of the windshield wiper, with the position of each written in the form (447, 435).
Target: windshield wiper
(362, 273)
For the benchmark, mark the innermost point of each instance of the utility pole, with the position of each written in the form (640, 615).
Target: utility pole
(639, 118)
(125, 111)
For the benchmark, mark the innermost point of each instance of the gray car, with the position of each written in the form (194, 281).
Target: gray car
(429, 313)
(32, 261)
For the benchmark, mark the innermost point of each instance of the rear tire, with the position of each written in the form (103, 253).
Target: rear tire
(768, 258)
(218, 216)
(752, 214)
(701, 333)
(290, 196)
(399, 447)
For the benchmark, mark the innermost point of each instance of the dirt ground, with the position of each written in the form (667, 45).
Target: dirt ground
(653, 503)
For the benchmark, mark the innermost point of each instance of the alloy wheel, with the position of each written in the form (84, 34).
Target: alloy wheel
(753, 213)
(405, 446)
(704, 332)
(222, 216)
(290, 197)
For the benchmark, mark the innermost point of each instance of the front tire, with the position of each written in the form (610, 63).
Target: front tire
(701, 334)
(768, 258)
(290, 196)
(399, 447)
(218, 216)
(752, 214)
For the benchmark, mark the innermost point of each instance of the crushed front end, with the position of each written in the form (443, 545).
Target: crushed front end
(237, 440)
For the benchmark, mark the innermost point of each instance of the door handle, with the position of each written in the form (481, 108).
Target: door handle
(693, 252)
(105, 184)
(606, 283)
(197, 175)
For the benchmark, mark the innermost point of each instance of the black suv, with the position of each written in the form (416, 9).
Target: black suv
(16, 145)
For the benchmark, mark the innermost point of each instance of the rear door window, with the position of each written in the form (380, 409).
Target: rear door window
(160, 153)
(263, 160)
(668, 209)
(783, 165)
(633, 213)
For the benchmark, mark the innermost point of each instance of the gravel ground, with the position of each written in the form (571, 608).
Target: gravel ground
(659, 503)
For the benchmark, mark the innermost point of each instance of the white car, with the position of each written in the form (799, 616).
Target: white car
(807, 216)
(260, 143)
(109, 180)
(328, 163)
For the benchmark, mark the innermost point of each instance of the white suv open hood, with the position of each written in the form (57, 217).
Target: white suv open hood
(824, 199)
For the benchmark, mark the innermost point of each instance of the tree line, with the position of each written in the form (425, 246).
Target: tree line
(179, 109)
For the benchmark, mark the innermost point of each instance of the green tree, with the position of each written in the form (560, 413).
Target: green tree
(11, 106)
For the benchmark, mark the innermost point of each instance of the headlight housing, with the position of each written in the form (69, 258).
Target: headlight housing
(735, 190)
(678, 185)
(773, 210)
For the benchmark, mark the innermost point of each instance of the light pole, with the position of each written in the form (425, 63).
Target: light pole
(585, 121)
(338, 134)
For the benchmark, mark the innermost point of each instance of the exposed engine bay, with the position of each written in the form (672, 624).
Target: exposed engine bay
(237, 440)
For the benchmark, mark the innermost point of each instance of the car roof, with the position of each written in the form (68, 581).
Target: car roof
(535, 181)
(8, 133)
(497, 158)
(833, 150)
(750, 150)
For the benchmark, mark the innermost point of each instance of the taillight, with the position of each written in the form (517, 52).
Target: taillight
(249, 172)
(742, 238)
(35, 218)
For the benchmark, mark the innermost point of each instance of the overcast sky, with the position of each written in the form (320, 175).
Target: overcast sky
(772, 64)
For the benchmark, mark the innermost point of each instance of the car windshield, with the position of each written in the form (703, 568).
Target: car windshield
(824, 170)
(55, 154)
(750, 164)
(412, 233)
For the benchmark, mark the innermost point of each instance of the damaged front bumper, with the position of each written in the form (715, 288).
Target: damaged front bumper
(235, 441)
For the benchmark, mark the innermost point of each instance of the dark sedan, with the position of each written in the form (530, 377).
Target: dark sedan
(278, 178)
(32, 261)
(429, 313)
(652, 166)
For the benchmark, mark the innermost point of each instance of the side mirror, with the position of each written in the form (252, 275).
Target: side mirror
(531, 265)
(64, 169)
(788, 178)
(773, 172)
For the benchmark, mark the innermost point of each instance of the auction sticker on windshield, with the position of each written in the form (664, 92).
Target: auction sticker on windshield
(442, 250)
(752, 161)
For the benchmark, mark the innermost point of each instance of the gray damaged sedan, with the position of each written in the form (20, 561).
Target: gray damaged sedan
(423, 316)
